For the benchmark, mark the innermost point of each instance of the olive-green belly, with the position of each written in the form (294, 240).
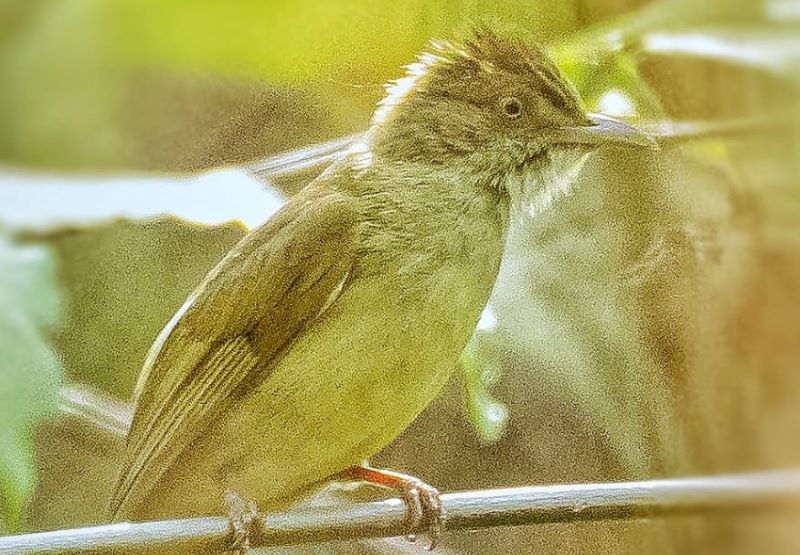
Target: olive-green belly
(348, 386)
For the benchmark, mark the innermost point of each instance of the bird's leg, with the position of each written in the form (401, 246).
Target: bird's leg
(243, 516)
(422, 500)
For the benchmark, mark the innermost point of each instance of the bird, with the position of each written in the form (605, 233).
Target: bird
(326, 331)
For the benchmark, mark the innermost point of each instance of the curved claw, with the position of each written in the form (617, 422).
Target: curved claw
(424, 511)
(243, 515)
(423, 505)
(415, 513)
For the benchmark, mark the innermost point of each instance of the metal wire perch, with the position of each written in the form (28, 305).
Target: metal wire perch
(462, 511)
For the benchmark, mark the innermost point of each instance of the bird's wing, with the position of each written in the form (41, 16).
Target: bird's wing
(231, 331)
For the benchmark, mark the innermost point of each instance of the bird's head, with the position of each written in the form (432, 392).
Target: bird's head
(495, 107)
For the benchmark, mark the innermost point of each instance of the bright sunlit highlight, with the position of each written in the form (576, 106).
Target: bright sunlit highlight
(780, 49)
(488, 320)
(41, 201)
(616, 103)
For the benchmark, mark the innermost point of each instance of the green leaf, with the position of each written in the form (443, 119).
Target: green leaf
(30, 371)
(481, 370)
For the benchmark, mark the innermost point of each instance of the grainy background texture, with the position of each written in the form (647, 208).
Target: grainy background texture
(646, 327)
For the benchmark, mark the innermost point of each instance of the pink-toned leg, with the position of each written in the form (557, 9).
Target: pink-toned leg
(422, 500)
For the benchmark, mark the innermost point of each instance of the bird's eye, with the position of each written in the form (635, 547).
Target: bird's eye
(511, 107)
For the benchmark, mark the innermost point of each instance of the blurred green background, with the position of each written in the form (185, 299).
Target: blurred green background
(646, 327)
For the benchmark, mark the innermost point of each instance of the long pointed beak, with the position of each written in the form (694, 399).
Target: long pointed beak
(603, 131)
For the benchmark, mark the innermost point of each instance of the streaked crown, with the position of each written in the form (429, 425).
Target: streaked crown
(458, 99)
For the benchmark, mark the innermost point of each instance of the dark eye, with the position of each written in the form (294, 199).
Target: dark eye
(511, 107)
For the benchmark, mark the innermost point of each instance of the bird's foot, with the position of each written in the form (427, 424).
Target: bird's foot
(243, 515)
(424, 508)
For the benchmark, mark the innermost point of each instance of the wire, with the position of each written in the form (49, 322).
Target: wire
(462, 511)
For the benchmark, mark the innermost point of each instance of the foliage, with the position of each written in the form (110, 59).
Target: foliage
(639, 319)
(30, 371)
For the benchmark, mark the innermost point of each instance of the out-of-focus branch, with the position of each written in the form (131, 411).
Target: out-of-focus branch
(33, 202)
(295, 161)
(670, 132)
(462, 511)
(102, 412)
(666, 132)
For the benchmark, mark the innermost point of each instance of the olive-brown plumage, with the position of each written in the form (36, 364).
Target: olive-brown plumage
(326, 331)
